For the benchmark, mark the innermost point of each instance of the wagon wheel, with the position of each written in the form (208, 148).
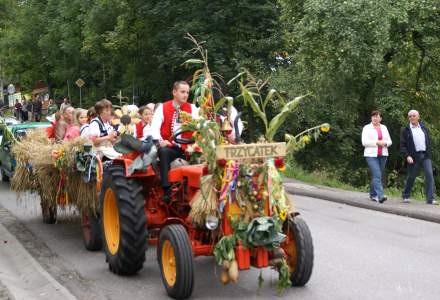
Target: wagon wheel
(175, 256)
(48, 211)
(91, 229)
(123, 221)
(3, 176)
(298, 247)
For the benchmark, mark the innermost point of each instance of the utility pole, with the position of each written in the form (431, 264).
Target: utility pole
(2, 96)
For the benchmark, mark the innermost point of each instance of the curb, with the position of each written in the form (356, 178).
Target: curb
(22, 276)
(344, 197)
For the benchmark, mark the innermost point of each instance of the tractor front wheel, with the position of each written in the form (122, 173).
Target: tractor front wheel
(91, 230)
(123, 222)
(175, 256)
(298, 247)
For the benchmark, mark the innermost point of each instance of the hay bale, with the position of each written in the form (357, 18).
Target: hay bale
(23, 180)
(48, 181)
(82, 195)
(36, 150)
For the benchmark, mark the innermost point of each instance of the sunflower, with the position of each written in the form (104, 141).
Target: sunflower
(126, 119)
(305, 139)
(283, 215)
(325, 128)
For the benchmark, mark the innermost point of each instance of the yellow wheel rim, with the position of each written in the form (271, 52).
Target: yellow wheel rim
(289, 246)
(169, 263)
(111, 221)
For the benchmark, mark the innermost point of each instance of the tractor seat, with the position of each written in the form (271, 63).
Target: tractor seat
(192, 173)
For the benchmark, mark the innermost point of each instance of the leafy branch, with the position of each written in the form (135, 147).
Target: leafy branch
(251, 93)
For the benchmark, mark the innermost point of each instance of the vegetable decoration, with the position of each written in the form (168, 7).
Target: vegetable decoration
(248, 194)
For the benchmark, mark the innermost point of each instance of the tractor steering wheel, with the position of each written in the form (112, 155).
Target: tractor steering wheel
(183, 141)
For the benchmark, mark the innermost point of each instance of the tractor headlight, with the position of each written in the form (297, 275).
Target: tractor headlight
(211, 222)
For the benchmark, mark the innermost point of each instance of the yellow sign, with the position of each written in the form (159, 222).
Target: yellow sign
(246, 151)
(79, 82)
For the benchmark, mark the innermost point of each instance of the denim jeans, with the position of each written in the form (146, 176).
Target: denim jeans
(377, 168)
(413, 171)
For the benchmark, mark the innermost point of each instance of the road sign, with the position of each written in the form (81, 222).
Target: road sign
(80, 83)
(249, 151)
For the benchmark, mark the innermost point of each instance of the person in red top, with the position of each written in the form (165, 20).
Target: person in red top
(165, 124)
(143, 128)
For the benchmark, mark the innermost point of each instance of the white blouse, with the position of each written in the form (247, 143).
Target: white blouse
(370, 138)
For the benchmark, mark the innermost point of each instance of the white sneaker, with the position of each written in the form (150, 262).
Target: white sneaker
(406, 200)
(375, 199)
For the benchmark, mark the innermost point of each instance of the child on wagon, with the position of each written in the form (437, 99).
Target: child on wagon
(143, 128)
(101, 131)
(91, 114)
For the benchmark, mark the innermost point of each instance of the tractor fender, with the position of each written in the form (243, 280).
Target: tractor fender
(174, 220)
(127, 161)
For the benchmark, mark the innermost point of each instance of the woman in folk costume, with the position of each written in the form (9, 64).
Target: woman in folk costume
(165, 124)
(101, 131)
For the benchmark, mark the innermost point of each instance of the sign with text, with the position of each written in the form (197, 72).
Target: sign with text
(246, 151)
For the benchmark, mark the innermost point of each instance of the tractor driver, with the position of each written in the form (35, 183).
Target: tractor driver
(165, 124)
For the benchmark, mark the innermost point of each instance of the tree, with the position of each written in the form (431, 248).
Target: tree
(356, 56)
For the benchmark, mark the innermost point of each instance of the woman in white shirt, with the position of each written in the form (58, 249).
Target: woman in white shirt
(376, 140)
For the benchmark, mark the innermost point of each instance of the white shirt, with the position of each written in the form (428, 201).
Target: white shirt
(370, 138)
(147, 131)
(94, 128)
(233, 116)
(158, 119)
(85, 130)
(418, 137)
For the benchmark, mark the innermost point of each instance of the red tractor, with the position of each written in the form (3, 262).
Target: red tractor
(134, 215)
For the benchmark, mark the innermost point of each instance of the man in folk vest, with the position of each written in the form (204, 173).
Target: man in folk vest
(165, 124)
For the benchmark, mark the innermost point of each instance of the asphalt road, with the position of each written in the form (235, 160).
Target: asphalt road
(359, 254)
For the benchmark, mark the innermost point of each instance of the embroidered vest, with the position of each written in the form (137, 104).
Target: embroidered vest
(102, 129)
(140, 130)
(170, 114)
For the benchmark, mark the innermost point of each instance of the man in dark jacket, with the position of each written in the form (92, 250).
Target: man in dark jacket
(415, 146)
(38, 106)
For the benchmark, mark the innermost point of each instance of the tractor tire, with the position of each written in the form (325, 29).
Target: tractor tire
(123, 222)
(49, 213)
(176, 262)
(298, 247)
(91, 229)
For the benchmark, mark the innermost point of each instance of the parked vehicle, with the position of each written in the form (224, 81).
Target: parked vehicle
(18, 130)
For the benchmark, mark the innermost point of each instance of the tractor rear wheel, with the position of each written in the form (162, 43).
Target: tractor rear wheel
(123, 222)
(91, 231)
(176, 263)
(298, 247)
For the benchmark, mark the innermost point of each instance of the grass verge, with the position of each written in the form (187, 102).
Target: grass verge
(322, 178)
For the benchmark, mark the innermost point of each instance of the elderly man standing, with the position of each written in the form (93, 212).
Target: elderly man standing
(415, 146)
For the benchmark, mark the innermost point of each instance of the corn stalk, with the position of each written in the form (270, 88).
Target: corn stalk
(251, 93)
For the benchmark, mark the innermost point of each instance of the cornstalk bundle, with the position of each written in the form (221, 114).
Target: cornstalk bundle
(204, 203)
